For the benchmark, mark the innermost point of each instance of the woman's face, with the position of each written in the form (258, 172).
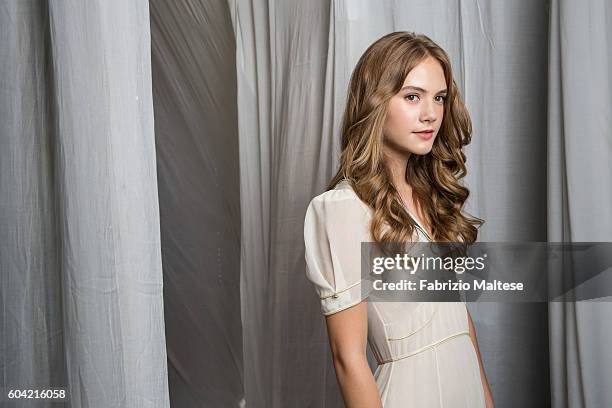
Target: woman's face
(417, 107)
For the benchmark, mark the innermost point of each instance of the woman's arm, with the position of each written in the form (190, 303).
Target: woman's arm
(483, 377)
(347, 332)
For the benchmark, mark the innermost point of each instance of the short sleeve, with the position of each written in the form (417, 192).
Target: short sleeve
(335, 224)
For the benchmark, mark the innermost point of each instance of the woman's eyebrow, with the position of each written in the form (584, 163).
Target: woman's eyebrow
(416, 88)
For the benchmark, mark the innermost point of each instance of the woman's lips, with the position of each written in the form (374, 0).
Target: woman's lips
(425, 135)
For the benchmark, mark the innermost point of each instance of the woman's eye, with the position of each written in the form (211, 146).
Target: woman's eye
(412, 97)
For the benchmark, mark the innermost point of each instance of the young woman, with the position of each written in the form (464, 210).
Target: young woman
(402, 137)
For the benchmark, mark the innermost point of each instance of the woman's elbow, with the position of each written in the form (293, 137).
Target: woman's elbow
(347, 363)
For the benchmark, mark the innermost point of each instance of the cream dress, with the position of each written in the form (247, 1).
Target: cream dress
(425, 356)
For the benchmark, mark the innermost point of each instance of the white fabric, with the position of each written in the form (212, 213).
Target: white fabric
(333, 233)
(424, 353)
(80, 252)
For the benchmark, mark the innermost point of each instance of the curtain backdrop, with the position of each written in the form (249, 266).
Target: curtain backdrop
(247, 97)
(579, 190)
(80, 257)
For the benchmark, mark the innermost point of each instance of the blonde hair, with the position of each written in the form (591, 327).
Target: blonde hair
(434, 177)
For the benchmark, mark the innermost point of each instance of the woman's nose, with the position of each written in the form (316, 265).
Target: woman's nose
(429, 112)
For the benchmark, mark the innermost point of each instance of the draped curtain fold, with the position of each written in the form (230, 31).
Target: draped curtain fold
(194, 90)
(80, 253)
(579, 191)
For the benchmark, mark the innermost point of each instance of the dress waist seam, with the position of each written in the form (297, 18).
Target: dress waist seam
(424, 348)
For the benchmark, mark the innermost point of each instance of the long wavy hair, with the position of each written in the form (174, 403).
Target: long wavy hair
(434, 177)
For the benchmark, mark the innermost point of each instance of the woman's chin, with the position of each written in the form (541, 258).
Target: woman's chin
(421, 150)
(418, 147)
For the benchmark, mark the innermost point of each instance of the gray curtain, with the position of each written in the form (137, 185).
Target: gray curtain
(80, 253)
(196, 132)
(247, 97)
(580, 191)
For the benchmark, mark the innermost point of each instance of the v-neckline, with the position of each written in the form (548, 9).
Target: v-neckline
(416, 220)
(419, 224)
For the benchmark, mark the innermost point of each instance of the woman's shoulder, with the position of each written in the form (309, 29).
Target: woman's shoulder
(342, 195)
(338, 215)
(340, 203)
